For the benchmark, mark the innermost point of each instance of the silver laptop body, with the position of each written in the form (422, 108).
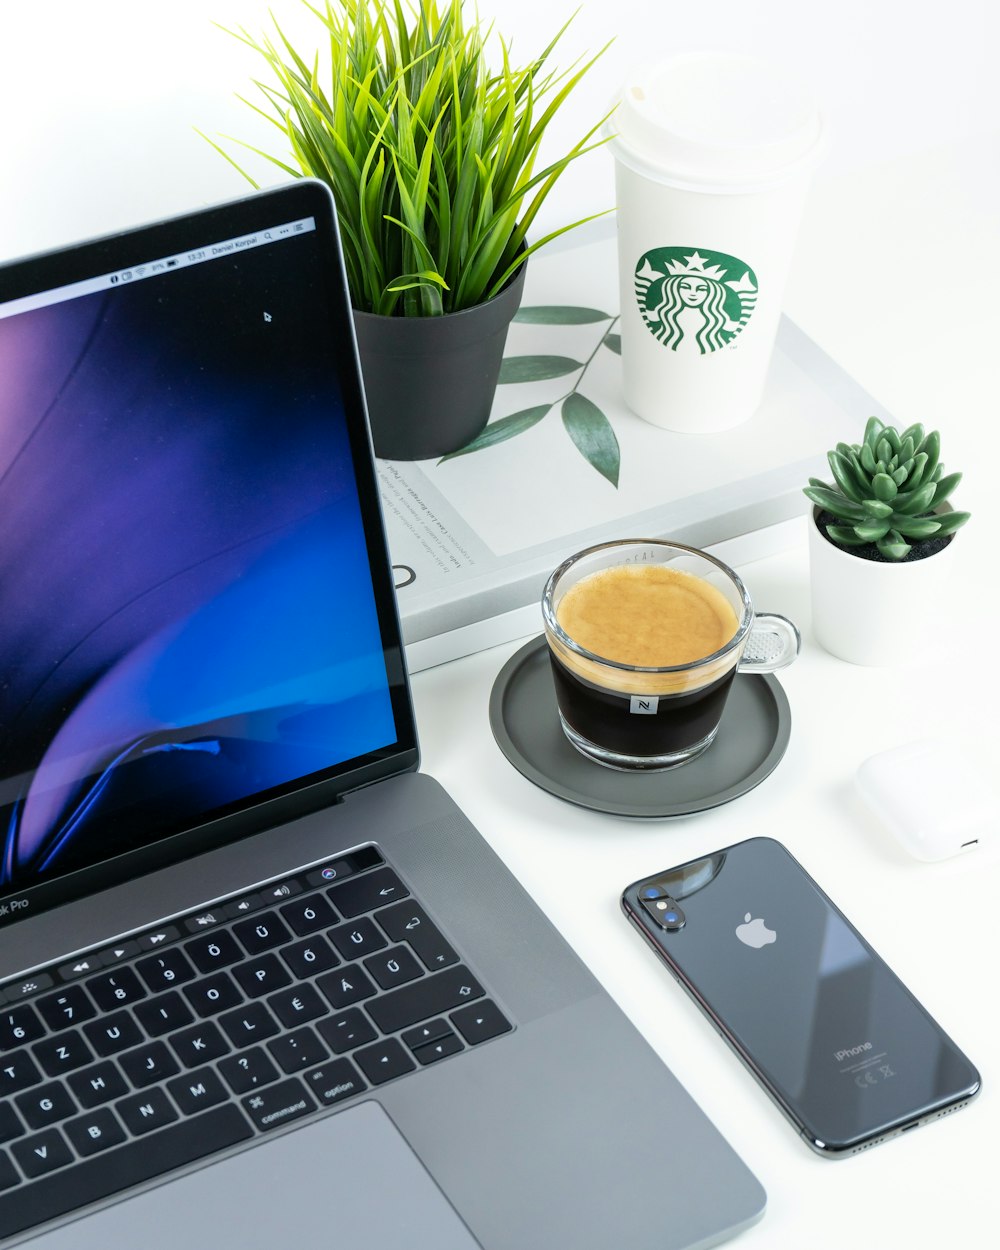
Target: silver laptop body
(206, 737)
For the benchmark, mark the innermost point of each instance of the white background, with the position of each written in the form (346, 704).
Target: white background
(896, 276)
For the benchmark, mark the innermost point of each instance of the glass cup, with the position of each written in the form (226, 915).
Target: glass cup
(672, 625)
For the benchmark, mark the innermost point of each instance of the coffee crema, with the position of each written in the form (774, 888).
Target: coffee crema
(647, 616)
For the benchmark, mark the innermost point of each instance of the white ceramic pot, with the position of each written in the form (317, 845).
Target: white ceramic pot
(875, 613)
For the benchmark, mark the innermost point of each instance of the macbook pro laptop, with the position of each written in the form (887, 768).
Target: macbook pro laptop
(262, 984)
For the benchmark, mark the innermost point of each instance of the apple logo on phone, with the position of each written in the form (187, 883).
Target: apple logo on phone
(755, 933)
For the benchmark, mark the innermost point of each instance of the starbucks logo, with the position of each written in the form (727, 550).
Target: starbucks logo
(688, 299)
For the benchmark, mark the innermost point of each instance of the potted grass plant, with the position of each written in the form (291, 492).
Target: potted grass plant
(880, 544)
(431, 156)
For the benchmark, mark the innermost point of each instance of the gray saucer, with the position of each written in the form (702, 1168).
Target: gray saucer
(752, 739)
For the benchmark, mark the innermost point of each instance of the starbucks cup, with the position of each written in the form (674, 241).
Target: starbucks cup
(713, 155)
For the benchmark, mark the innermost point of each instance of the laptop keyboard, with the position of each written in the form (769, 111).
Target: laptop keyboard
(182, 1040)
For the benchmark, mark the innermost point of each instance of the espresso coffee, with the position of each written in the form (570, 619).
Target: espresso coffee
(647, 616)
(638, 727)
(645, 637)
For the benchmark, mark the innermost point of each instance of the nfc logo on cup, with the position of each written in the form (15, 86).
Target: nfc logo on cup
(643, 704)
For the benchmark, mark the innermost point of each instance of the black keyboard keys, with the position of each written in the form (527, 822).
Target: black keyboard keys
(366, 892)
(265, 931)
(383, 1061)
(408, 922)
(113, 1033)
(163, 1014)
(116, 989)
(18, 1026)
(430, 996)
(99, 1130)
(216, 950)
(67, 1007)
(42, 1153)
(63, 1053)
(97, 1085)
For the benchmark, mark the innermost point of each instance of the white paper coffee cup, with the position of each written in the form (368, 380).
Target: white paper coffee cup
(713, 155)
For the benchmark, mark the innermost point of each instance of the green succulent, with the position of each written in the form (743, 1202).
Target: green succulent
(886, 490)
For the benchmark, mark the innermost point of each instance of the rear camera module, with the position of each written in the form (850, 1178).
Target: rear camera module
(664, 910)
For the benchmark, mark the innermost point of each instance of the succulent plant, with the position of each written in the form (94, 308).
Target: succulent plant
(886, 489)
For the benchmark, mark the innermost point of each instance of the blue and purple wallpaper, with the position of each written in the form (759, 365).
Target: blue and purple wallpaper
(187, 616)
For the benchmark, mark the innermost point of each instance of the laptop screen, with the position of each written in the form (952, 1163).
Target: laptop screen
(188, 536)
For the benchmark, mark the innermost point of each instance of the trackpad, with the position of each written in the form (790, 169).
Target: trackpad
(346, 1181)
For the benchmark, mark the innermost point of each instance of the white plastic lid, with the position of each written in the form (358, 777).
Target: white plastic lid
(715, 121)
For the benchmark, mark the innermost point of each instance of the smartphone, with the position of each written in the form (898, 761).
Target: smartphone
(832, 1034)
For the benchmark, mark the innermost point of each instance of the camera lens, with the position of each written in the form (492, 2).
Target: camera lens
(664, 910)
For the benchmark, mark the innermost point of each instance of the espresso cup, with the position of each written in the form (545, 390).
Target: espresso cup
(645, 638)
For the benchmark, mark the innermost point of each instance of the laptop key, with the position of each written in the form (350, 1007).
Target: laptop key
(262, 975)
(199, 1044)
(163, 1014)
(346, 986)
(248, 1071)
(306, 915)
(430, 996)
(18, 1071)
(299, 1050)
(116, 989)
(249, 1024)
(360, 938)
(8, 1173)
(10, 1125)
(100, 1130)
(97, 1085)
(297, 1006)
(366, 892)
(334, 1081)
(165, 970)
(408, 922)
(217, 950)
(69, 1006)
(114, 1033)
(441, 1049)
(149, 1064)
(19, 1026)
(197, 1091)
(64, 1053)
(145, 1112)
(383, 1061)
(308, 958)
(45, 1105)
(114, 1170)
(214, 994)
(393, 968)
(43, 1153)
(480, 1021)
(347, 1030)
(263, 932)
(278, 1104)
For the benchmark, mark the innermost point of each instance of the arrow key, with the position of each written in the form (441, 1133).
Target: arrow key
(383, 1061)
(480, 1021)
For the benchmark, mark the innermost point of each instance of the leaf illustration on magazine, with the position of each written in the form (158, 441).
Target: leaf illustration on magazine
(590, 431)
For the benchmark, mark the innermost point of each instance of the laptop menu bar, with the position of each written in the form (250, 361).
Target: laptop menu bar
(161, 265)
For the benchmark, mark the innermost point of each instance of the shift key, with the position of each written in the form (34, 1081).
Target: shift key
(430, 996)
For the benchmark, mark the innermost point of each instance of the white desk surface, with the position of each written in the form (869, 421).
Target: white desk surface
(896, 275)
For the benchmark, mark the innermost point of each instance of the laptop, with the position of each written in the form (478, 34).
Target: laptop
(261, 981)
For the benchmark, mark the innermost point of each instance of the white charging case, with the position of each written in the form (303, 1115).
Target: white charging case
(930, 798)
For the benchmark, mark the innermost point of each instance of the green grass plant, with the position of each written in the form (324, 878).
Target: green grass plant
(430, 154)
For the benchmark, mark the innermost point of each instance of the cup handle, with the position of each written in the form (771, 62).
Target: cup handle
(773, 642)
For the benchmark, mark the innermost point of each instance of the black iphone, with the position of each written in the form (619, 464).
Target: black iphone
(832, 1034)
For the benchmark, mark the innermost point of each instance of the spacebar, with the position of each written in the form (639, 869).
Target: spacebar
(106, 1174)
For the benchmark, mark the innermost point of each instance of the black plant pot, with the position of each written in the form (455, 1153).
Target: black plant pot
(429, 381)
